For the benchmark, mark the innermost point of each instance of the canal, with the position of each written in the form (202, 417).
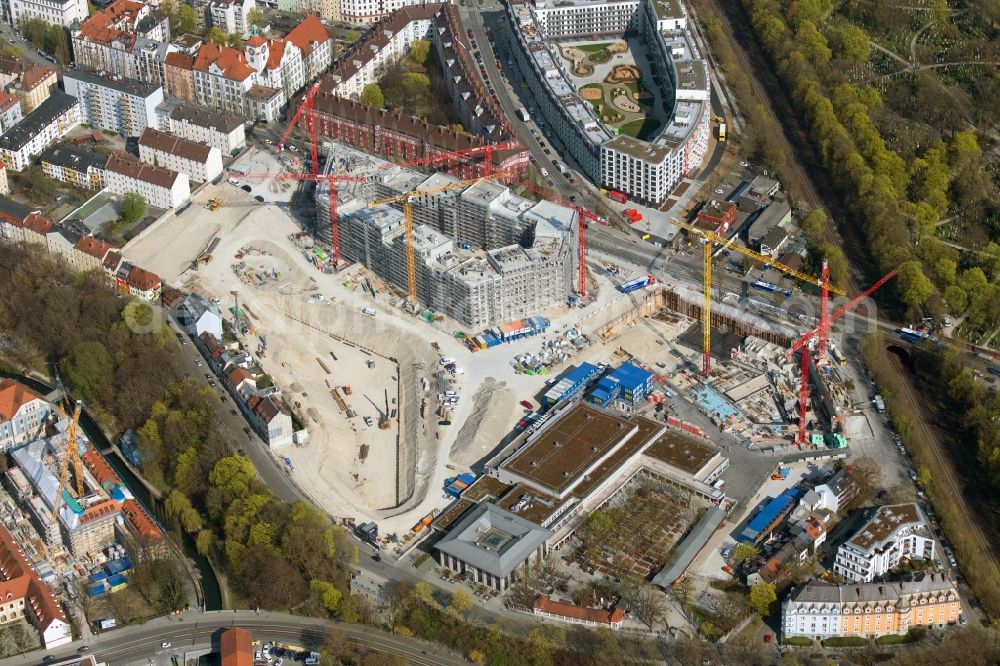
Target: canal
(209, 584)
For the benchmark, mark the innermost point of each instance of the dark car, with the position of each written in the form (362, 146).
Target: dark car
(85, 648)
(246, 188)
(259, 199)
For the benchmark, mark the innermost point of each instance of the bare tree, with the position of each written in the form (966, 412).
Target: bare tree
(650, 605)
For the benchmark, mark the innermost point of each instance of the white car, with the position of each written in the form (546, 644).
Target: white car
(165, 644)
(447, 360)
(744, 164)
(450, 394)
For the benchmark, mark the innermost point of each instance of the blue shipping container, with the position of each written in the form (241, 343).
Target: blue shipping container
(467, 478)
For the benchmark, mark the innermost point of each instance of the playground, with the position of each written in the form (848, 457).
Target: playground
(614, 81)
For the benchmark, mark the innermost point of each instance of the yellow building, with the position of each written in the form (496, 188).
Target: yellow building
(819, 610)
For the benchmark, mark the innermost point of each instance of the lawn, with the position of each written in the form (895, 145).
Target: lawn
(801, 641)
(642, 128)
(593, 48)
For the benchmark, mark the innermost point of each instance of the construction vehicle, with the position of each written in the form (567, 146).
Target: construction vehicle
(215, 204)
(384, 422)
(781, 473)
(202, 259)
(347, 389)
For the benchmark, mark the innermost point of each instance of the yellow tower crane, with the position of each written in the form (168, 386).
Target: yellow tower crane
(72, 452)
(709, 239)
(406, 198)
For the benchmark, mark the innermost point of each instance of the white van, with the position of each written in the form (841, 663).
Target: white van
(369, 311)
(545, 172)
(447, 360)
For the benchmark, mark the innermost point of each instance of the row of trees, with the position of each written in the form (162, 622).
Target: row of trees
(48, 37)
(898, 199)
(184, 19)
(122, 361)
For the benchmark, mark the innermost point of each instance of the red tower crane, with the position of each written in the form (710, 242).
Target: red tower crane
(822, 332)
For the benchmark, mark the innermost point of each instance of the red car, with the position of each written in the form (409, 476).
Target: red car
(527, 405)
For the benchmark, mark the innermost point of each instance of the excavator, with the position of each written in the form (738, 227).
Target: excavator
(215, 204)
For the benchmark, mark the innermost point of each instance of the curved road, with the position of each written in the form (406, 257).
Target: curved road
(141, 642)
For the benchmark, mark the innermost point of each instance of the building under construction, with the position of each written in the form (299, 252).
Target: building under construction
(86, 522)
(483, 254)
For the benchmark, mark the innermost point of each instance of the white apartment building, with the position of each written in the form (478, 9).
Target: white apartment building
(894, 533)
(277, 63)
(10, 111)
(648, 169)
(196, 123)
(199, 162)
(370, 59)
(370, 11)
(316, 45)
(254, 84)
(112, 102)
(51, 11)
(39, 129)
(23, 414)
(161, 187)
(231, 16)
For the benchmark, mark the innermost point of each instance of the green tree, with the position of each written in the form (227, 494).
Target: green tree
(813, 44)
(133, 207)
(762, 596)
(923, 477)
(204, 542)
(745, 552)
(55, 43)
(216, 35)
(914, 287)
(187, 19)
(814, 226)
(956, 298)
(88, 369)
(327, 594)
(256, 17)
(233, 474)
(460, 602)
(851, 43)
(420, 50)
(179, 507)
(424, 593)
(372, 95)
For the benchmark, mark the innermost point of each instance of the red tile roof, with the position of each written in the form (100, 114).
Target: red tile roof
(19, 580)
(33, 75)
(13, 396)
(233, 63)
(179, 60)
(100, 468)
(140, 521)
(143, 280)
(546, 605)
(93, 247)
(115, 22)
(236, 647)
(104, 509)
(239, 375)
(270, 407)
(256, 40)
(275, 52)
(7, 101)
(310, 31)
(38, 223)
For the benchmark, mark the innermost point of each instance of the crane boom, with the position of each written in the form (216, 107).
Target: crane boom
(72, 452)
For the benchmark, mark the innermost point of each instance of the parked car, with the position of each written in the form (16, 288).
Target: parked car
(527, 405)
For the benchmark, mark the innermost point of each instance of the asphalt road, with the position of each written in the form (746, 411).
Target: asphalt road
(138, 643)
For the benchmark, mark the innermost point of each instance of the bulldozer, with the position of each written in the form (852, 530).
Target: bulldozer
(215, 204)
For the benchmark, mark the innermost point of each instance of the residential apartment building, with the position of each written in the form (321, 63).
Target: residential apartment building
(31, 83)
(315, 44)
(120, 38)
(23, 414)
(197, 123)
(59, 12)
(12, 217)
(370, 11)
(78, 167)
(231, 16)
(271, 418)
(10, 111)
(223, 80)
(893, 534)
(144, 284)
(369, 59)
(178, 75)
(201, 163)
(61, 243)
(277, 62)
(646, 170)
(161, 187)
(819, 610)
(112, 102)
(39, 129)
(36, 229)
(90, 253)
(4, 185)
(25, 595)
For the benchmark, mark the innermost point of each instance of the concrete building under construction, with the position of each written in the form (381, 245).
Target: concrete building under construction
(483, 253)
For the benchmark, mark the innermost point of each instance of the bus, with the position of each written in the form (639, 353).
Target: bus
(522, 113)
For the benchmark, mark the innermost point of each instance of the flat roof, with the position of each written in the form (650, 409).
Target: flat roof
(132, 87)
(571, 443)
(452, 512)
(485, 487)
(680, 451)
(493, 540)
(648, 429)
(886, 521)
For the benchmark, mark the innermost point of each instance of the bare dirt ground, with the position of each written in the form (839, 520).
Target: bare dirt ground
(494, 410)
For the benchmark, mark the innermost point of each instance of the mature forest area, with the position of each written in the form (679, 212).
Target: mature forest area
(896, 98)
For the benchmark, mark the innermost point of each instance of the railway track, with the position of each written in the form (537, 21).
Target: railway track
(740, 34)
(945, 476)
